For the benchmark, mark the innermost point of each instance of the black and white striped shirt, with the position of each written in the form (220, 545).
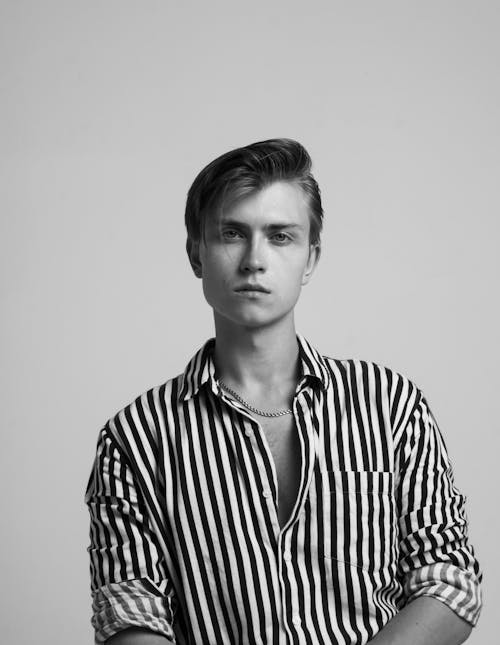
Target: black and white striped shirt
(185, 538)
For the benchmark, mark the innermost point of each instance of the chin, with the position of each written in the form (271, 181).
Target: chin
(251, 320)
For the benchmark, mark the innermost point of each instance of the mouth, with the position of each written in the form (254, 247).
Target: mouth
(252, 288)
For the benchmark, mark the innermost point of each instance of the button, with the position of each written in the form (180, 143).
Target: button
(248, 432)
(266, 493)
(287, 556)
(296, 620)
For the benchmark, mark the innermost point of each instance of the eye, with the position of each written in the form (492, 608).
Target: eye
(281, 238)
(230, 234)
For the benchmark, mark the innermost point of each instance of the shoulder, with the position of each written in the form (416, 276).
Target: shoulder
(375, 373)
(370, 382)
(139, 424)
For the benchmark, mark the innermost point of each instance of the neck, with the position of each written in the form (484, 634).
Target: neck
(253, 359)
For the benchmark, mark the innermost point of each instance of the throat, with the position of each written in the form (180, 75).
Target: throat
(258, 365)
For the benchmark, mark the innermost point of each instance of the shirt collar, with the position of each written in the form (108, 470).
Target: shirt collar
(201, 368)
(313, 364)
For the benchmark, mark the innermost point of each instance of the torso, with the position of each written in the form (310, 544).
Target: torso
(283, 440)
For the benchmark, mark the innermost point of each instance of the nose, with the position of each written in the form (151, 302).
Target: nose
(253, 259)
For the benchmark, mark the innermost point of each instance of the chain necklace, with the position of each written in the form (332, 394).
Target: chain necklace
(262, 413)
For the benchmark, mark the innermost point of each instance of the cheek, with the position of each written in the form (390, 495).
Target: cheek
(219, 261)
(293, 272)
(215, 278)
(218, 273)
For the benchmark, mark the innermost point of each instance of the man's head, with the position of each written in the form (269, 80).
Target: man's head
(254, 219)
(242, 172)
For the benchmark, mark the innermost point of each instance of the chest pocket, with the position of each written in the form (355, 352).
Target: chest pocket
(359, 515)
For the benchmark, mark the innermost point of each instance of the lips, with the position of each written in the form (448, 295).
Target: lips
(252, 287)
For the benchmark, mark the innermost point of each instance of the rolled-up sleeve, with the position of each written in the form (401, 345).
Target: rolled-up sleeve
(435, 557)
(129, 584)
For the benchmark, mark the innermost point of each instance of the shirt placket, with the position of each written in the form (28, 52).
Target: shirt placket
(287, 561)
(290, 614)
(267, 488)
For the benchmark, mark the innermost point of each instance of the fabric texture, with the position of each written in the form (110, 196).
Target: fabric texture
(184, 535)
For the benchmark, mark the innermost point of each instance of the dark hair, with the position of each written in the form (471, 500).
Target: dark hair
(243, 171)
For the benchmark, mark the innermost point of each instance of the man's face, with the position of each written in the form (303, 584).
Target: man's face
(256, 257)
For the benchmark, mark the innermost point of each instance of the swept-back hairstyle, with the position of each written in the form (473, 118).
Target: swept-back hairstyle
(243, 171)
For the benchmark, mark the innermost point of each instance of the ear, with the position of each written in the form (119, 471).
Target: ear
(312, 261)
(193, 251)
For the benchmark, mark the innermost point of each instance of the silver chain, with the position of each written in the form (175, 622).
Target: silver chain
(262, 413)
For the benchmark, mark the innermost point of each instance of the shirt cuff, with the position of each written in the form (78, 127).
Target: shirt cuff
(457, 588)
(133, 603)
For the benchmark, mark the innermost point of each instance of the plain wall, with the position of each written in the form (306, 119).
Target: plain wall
(109, 109)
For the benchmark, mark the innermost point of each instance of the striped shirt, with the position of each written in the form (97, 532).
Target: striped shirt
(185, 538)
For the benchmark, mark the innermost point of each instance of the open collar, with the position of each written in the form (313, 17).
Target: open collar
(201, 368)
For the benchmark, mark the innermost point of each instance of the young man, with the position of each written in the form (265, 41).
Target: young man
(270, 494)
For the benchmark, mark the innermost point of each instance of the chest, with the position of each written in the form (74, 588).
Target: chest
(284, 444)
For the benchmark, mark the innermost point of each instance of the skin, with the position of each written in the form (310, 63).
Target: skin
(262, 239)
(137, 636)
(425, 621)
(265, 239)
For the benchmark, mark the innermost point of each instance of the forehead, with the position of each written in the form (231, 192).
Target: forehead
(278, 203)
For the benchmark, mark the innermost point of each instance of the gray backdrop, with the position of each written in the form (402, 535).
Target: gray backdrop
(109, 109)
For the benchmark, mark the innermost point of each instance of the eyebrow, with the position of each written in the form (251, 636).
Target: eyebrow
(273, 227)
(269, 227)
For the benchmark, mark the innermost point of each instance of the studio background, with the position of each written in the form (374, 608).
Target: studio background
(109, 109)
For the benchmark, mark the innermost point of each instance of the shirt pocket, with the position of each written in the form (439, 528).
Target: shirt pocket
(359, 527)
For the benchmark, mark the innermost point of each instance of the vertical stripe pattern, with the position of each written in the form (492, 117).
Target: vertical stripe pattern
(184, 532)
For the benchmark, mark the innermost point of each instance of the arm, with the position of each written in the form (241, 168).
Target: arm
(437, 566)
(137, 636)
(129, 582)
(425, 621)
